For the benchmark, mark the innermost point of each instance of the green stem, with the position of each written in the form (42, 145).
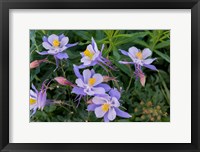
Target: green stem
(63, 69)
(129, 83)
(130, 79)
(116, 83)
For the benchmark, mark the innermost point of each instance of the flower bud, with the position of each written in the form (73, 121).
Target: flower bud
(63, 81)
(142, 80)
(89, 101)
(107, 78)
(37, 63)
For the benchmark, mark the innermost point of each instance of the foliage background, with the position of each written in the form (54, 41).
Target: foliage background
(149, 103)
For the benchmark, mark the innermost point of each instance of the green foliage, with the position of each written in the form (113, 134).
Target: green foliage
(149, 103)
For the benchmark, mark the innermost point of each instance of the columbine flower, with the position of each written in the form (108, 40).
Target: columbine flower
(56, 45)
(107, 106)
(139, 58)
(38, 99)
(92, 56)
(90, 83)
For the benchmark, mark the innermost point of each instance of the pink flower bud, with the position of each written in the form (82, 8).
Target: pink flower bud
(107, 78)
(142, 79)
(64, 81)
(37, 63)
(89, 101)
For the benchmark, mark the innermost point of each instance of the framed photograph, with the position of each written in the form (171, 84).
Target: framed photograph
(99, 76)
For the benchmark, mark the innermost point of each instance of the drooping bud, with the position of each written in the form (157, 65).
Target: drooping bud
(142, 79)
(107, 78)
(37, 63)
(64, 81)
(89, 101)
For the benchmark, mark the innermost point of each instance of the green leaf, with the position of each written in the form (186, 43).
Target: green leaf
(129, 38)
(84, 35)
(163, 44)
(162, 55)
(141, 42)
(123, 67)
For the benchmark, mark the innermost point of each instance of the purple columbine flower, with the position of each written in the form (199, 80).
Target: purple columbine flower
(90, 83)
(56, 45)
(92, 56)
(107, 106)
(38, 99)
(139, 57)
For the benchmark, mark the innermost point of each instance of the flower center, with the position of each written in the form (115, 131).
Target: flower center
(88, 53)
(105, 107)
(32, 101)
(139, 55)
(91, 81)
(56, 43)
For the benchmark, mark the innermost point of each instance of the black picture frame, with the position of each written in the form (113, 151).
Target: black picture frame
(5, 5)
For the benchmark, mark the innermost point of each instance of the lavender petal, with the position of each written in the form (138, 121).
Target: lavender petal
(152, 67)
(121, 113)
(115, 93)
(62, 56)
(77, 73)
(78, 91)
(105, 86)
(123, 52)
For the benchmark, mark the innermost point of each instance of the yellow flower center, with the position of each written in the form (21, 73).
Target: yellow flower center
(88, 53)
(91, 81)
(105, 107)
(139, 55)
(32, 101)
(56, 43)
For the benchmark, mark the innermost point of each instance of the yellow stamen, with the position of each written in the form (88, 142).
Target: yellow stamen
(91, 81)
(56, 43)
(105, 107)
(32, 101)
(88, 53)
(139, 55)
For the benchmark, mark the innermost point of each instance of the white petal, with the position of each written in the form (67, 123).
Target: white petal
(99, 112)
(98, 78)
(90, 48)
(95, 56)
(46, 45)
(148, 61)
(115, 102)
(88, 91)
(64, 41)
(146, 53)
(111, 114)
(86, 75)
(98, 100)
(86, 60)
(80, 83)
(52, 37)
(98, 90)
(132, 51)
